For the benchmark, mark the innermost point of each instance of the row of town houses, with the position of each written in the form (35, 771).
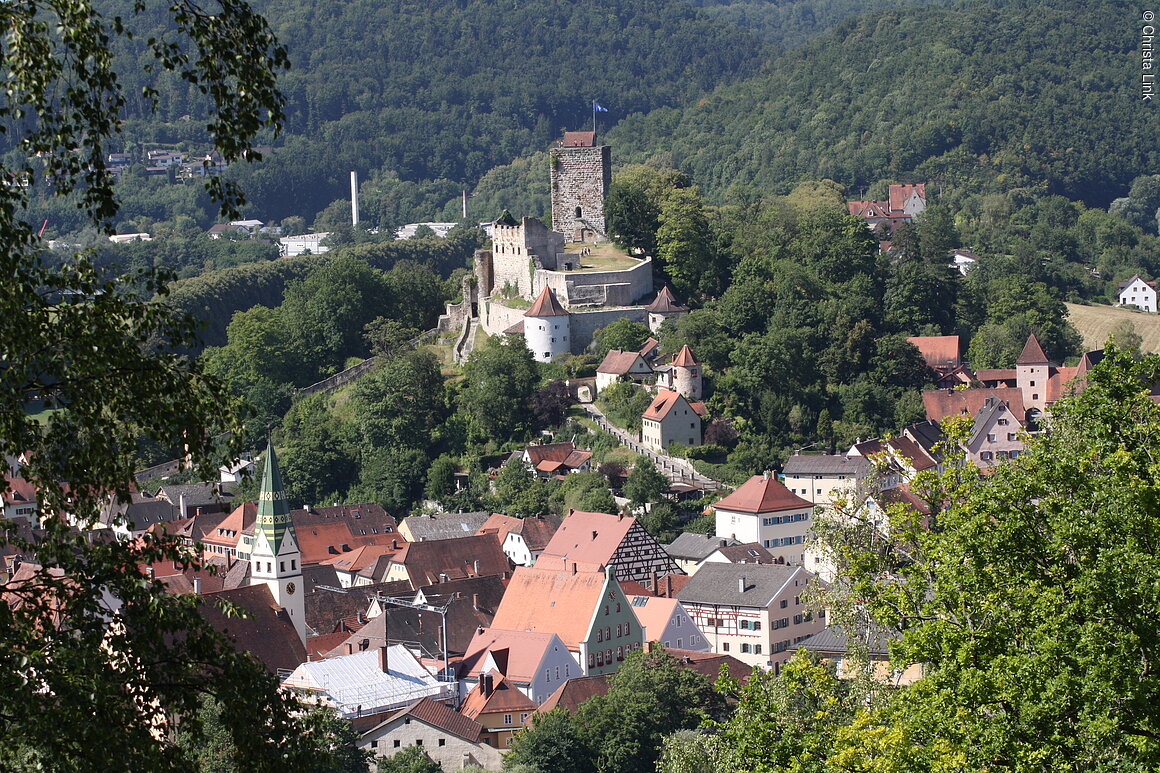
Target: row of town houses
(453, 631)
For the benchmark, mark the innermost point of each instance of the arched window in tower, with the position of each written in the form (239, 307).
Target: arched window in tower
(577, 211)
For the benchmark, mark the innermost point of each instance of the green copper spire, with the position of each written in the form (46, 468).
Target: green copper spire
(273, 508)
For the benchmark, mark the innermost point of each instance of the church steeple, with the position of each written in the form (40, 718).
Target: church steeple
(276, 561)
(273, 518)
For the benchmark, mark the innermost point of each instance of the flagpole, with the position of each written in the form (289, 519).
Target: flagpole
(594, 118)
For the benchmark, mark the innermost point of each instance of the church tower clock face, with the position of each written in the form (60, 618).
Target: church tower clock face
(290, 588)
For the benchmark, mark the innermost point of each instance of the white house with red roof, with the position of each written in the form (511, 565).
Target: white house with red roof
(548, 459)
(1140, 293)
(763, 510)
(618, 365)
(670, 418)
(536, 663)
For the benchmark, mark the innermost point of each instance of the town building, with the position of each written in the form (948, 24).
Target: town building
(522, 539)
(822, 478)
(430, 528)
(1140, 293)
(546, 460)
(763, 510)
(499, 707)
(616, 541)
(533, 662)
(689, 550)
(452, 740)
(582, 604)
(754, 612)
(671, 418)
(665, 621)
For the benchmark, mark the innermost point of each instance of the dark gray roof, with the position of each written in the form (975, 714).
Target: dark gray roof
(720, 583)
(835, 641)
(697, 547)
(429, 528)
(144, 511)
(825, 464)
(195, 493)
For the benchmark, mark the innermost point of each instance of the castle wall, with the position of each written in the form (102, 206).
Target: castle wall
(580, 178)
(597, 288)
(496, 318)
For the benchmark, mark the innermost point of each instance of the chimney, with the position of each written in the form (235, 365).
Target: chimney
(197, 511)
(573, 567)
(475, 566)
(594, 535)
(486, 685)
(394, 544)
(197, 585)
(668, 586)
(741, 584)
(383, 659)
(475, 600)
(181, 506)
(151, 572)
(354, 198)
(655, 588)
(349, 648)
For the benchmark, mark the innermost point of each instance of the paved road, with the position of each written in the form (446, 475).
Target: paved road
(676, 469)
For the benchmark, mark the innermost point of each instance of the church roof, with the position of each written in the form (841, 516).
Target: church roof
(1032, 353)
(546, 305)
(273, 517)
(665, 303)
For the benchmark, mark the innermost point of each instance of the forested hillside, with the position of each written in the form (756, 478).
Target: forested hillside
(979, 96)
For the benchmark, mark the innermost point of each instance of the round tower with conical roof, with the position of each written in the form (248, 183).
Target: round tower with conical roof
(547, 327)
(665, 306)
(687, 374)
(276, 561)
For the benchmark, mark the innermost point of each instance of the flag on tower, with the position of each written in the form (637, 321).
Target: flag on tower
(596, 106)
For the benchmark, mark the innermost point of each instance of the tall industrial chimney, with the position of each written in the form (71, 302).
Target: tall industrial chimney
(354, 198)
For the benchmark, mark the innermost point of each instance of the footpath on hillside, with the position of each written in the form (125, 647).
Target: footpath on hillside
(675, 469)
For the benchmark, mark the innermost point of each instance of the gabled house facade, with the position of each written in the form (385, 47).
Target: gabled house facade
(616, 541)
(753, 612)
(533, 662)
(1139, 293)
(763, 510)
(667, 622)
(446, 736)
(670, 418)
(583, 605)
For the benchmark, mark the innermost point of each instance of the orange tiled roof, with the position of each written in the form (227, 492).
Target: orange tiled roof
(546, 305)
(665, 303)
(664, 403)
(938, 351)
(578, 140)
(618, 362)
(761, 494)
(589, 538)
(899, 193)
(504, 699)
(524, 652)
(684, 358)
(941, 403)
(551, 601)
(1032, 353)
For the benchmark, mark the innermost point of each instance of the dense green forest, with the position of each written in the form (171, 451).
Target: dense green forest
(976, 97)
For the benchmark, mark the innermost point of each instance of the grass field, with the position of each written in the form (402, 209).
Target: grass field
(1095, 322)
(604, 256)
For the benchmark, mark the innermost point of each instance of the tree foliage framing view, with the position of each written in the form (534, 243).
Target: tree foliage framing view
(100, 665)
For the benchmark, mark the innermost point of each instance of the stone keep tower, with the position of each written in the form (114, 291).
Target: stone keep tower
(276, 561)
(581, 172)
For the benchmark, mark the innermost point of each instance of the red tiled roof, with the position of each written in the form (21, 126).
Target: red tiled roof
(1058, 380)
(319, 542)
(265, 632)
(455, 559)
(941, 403)
(546, 305)
(618, 362)
(504, 699)
(1032, 353)
(989, 375)
(524, 652)
(318, 646)
(684, 358)
(665, 303)
(709, 664)
(360, 557)
(551, 601)
(578, 140)
(664, 403)
(761, 494)
(536, 530)
(442, 716)
(573, 692)
(589, 538)
(517, 328)
(938, 351)
(552, 452)
(899, 193)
